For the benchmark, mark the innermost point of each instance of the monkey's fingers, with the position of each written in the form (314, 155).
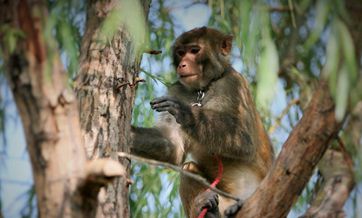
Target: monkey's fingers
(171, 110)
(209, 200)
(162, 99)
(165, 104)
(233, 209)
(207, 205)
(214, 200)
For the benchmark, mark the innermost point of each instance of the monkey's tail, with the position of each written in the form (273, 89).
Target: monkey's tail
(220, 169)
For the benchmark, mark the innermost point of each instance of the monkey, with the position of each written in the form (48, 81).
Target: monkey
(208, 115)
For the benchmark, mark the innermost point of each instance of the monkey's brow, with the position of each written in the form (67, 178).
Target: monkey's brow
(188, 44)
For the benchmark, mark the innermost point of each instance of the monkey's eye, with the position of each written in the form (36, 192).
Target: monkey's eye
(194, 50)
(180, 52)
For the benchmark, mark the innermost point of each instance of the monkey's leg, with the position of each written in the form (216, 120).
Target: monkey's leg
(194, 196)
(151, 143)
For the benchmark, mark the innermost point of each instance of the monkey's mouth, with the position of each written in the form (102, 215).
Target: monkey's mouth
(187, 75)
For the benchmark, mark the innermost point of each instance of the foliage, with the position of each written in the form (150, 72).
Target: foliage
(281, 46)
(120, 16)
(66, 24)
(30, 204)
(284, 46)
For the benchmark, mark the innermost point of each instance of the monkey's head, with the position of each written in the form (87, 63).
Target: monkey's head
(200, 56)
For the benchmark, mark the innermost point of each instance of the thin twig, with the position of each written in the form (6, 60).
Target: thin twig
(153, 52)
(196, 177)
(132, 85)
(284, 112)
(291, 6)
(154, 78)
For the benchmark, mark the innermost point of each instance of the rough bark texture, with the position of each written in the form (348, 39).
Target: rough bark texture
(299, 156)
(66, 184)
(48, 110)
(105, 88)
(336, 171)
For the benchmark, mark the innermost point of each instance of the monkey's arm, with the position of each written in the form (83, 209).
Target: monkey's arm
(153, 143)
(224, 133)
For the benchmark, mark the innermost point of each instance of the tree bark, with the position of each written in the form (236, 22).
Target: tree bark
(66, 184)
(47, 108)
(106, 90)
(337, 173)
(295, 163)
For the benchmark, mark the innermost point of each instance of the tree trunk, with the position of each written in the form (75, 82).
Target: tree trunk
(48, 110)
(66, 184)
(106, 90)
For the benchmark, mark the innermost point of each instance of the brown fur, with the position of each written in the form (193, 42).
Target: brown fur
(226, 125)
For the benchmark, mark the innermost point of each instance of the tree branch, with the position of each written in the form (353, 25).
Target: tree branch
(196, 177)
(105, 168)
(337, 173)
(299, 156)
(282, 114)
(48, 112)
(98, 173)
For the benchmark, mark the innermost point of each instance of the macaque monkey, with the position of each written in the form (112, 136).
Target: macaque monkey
(209, 112)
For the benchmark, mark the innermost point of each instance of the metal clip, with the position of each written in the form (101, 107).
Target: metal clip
(200, 96)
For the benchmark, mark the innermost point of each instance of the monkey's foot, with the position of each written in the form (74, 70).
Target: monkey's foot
(233, 209)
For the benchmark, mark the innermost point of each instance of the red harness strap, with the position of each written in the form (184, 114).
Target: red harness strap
(216, 181)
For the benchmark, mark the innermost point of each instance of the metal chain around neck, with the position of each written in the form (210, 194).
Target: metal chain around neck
(200, 96)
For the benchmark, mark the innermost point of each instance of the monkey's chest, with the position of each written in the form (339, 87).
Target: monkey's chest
(209, 165)
(237, 178)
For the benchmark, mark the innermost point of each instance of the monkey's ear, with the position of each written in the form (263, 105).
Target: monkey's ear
(226, 45)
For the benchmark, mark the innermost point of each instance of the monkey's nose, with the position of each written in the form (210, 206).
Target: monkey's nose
(181, 65)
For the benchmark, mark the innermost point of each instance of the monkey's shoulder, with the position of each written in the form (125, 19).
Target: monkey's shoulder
(233, 80)
(231, 85)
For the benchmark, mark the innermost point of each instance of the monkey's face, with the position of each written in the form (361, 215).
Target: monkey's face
(189, 69)
(200, 56)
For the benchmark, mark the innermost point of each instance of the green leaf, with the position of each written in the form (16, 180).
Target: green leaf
(267, 74)
(322, 10)
(69, 44)
(11, 36)
(348, 51)
(155, 78)
(251, 34)
(332, 57)
(343, 86)
(245, 8)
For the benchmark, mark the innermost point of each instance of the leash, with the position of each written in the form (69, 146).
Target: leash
(216, 181)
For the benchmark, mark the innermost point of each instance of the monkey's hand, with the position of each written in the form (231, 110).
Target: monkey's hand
(208, 200)
(181, 111)
(233, 209)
